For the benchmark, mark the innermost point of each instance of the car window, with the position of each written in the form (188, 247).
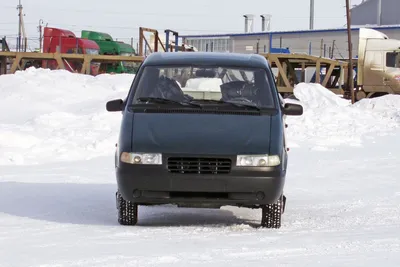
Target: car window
(186, 83)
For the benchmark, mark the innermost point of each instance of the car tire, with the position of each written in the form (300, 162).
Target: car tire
(272, 213)
(127, 211)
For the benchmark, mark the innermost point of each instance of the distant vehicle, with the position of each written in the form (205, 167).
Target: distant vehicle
(108, 46)
(220, 143)
(64, 41)
(378, 65)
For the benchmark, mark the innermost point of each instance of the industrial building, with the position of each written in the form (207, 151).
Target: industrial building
(376, 12)
(327, 43)
(330, 43)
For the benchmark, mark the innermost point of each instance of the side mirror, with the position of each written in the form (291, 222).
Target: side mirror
(115, 105)
(291, 109)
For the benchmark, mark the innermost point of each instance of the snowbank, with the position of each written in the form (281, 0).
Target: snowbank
(330, 120)
(48, 116)
(316, 96)
(57, 115)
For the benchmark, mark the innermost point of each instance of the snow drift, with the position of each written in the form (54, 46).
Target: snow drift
(61, 212)
(48, 116)
(57, 115)
(330, 120)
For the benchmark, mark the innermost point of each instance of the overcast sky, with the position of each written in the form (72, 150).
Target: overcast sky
(121, 18)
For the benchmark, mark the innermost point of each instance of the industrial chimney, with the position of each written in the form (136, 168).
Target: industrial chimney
(265, 22)
(248, 23)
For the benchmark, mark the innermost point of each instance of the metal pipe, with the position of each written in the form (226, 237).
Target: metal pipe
(258, 46)
(262, 23)
(311, 14)
(270, 42)
(321, 48)
(166, 41)
(246, 23)
(176, 42)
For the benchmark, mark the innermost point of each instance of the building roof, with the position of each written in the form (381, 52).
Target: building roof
(354, 28)
(205, 58)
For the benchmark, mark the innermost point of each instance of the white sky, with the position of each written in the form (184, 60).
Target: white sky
(122, 18)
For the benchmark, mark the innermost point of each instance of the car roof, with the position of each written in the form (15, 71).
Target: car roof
(206, 58)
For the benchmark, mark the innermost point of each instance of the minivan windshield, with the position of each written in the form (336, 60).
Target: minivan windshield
(205, 85)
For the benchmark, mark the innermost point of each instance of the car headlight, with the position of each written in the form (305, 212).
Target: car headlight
(142, 158)
(258, 160)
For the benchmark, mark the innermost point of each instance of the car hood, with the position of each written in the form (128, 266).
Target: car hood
(201, 133)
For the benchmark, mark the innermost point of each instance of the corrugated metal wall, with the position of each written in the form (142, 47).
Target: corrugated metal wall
(318, 43)
(367, 13)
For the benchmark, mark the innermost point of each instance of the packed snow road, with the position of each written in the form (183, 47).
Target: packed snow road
(57, 186)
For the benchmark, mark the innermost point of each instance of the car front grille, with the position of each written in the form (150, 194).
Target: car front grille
(192, 165)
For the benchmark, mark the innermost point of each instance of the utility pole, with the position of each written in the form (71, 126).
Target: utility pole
(40, 33)
(19, 8)
(379, 10)
(21, 28)
(350, 81)
(311, 14)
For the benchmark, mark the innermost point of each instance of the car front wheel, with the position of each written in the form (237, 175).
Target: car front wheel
(127, 211)
(272, 213)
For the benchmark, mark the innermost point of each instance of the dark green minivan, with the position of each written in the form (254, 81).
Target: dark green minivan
(202, 130)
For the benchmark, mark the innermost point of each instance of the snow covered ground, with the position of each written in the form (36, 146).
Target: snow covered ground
(57, 186)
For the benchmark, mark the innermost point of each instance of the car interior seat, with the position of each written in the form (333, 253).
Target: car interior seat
(237, 90)
(168, 88)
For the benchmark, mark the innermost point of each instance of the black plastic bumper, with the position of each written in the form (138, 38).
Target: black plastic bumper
(243, 186)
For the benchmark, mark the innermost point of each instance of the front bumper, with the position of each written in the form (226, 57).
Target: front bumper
(242, 186)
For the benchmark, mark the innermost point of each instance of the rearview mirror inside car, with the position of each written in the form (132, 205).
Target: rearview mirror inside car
(291, 109)
(115, 105)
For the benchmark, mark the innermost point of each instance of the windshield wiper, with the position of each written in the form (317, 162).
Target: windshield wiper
(234, 103)
(244, 104)
(166, 101)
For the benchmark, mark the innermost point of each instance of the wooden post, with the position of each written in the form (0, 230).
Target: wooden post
(350, 68)
(321, 48)
(140, 41)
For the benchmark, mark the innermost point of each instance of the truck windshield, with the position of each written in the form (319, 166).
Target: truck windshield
(211, 84)
(92, 51)
(128, 64)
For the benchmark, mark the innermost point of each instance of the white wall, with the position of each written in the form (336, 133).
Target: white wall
(297, 42)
